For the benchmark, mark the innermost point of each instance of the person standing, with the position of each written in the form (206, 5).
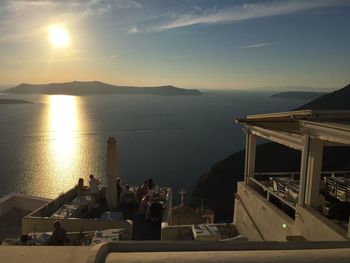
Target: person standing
(142, 191)
(155, 216)
(94, 184)
(119, 189)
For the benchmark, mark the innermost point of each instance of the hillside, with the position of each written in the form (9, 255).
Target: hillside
(337, 100)
(307, 95)
(217, 186)
(97, 88)
(13, 101)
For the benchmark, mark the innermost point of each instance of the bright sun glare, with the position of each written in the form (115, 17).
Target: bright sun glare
(58, 36)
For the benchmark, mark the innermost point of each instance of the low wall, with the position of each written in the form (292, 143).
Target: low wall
(39, 224)
(275, 225)
(267, 218)
(316, 227)
(173, 232)
(6, 204)
(21, 201)
(52, 206)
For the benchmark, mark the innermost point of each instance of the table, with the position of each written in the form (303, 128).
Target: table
(203, 232)
(67, 211)
(108, 235)
(39, 239)
(111, 216)
(85, 201)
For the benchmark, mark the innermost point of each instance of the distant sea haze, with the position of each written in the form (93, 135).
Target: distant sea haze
(46, 146)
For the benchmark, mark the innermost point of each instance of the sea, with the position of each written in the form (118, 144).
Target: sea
(46, 146)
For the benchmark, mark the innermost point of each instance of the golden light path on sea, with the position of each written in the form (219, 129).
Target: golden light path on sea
(64, 125)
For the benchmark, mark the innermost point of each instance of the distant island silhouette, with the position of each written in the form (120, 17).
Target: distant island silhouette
(307, 95)
(13, 101)
(97, 88)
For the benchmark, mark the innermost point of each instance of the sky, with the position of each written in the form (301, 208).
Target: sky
(221, 44)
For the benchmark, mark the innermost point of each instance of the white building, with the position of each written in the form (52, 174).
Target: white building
(304, 193)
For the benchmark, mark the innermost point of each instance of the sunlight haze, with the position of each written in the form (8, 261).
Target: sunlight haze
(191, 44)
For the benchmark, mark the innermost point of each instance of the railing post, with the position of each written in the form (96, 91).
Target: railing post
(250, 152)
(314, 167)
(303, 170)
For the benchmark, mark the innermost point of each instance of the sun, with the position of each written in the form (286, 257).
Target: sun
(58, 36)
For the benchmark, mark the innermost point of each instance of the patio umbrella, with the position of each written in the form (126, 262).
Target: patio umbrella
(111, 173)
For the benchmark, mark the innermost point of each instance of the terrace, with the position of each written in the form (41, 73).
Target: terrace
(86, 215)
(321, 196)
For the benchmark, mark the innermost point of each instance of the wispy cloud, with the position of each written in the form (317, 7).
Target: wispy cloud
(265, 44)
(238, 13)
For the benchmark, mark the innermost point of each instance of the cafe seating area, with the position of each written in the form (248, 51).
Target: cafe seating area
(90, 212)
(334, 192)
(337, 187)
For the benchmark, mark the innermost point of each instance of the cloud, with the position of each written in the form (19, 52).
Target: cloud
(133, 30)
(240, 13)
(265, 44)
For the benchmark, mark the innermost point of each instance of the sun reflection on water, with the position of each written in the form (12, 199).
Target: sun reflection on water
(64, 128)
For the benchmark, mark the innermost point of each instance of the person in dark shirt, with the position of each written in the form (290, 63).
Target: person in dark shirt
(59, 234)
(155, 216)
(119, 190)
(150, 184)
(156, 211)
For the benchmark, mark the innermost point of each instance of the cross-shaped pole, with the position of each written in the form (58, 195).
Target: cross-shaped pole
(182, 193)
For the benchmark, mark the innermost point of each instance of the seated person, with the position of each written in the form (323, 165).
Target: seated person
(127, 198)
(59, 235)
(80, 187)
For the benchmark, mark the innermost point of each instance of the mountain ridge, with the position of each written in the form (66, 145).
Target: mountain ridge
(97, 88)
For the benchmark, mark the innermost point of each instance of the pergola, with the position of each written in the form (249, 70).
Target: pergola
(308, 131)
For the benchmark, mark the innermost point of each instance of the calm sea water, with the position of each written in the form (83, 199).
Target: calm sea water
(46, 146)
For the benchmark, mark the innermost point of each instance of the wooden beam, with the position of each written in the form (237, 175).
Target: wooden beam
(291, 140)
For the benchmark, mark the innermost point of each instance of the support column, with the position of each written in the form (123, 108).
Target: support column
(250, 152)
(314, 168)
(303, 170)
